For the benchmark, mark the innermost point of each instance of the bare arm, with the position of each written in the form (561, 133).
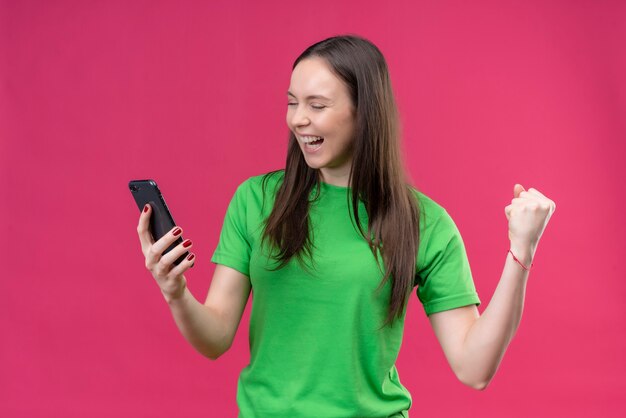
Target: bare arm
(475, 344)
(211, 327)
(200, 325)
(490, 335)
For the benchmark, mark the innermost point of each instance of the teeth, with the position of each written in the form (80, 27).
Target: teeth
(309, 139)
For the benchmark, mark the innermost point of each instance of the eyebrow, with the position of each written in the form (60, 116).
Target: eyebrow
(313, 96)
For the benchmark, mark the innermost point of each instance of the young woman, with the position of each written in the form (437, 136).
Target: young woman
(333, 246)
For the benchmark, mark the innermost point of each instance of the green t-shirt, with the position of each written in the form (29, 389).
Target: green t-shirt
(314, 344)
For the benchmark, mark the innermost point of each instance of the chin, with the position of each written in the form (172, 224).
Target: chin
(314, 166)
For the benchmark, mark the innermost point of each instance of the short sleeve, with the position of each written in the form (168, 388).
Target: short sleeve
(445, 278)
(233, 248)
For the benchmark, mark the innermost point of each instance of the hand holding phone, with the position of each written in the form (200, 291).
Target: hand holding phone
(167, 258)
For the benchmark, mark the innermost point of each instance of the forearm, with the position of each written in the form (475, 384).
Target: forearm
(490, 335)
(199, 324)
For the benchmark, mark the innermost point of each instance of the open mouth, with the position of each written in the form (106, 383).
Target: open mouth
(314, 145)
(317, 141)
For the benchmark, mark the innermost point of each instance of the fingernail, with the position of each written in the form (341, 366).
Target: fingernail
(176, 231)
(187, 243)
(145, 208)
(190, 257)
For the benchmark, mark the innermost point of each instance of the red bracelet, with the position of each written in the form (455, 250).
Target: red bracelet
(531, 264)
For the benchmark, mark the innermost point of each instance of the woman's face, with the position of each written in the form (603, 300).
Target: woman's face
(319, 105)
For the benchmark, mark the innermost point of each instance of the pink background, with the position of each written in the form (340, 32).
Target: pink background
(192, 94)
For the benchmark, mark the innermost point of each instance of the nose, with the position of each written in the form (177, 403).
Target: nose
(299, 116)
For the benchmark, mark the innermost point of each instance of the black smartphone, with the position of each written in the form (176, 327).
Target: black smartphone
(161, 222)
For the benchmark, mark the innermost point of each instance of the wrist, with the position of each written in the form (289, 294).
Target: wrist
(523, 255)
(175, 298)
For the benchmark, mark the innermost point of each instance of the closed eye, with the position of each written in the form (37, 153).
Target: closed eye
(314, 107)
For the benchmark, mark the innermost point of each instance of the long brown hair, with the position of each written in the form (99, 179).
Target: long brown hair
(377, 175)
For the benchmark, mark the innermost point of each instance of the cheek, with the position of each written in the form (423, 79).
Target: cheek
(347, 133)
(347, 123)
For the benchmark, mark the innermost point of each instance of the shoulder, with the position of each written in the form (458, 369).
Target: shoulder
(437, 228)
(255, 191)
(439, 235)
(264, 183)
(271, 177)
(431, 211)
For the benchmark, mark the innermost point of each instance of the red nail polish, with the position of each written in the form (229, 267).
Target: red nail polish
(177, 231)
(145, 208)
(190, 257)
(187, 243)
